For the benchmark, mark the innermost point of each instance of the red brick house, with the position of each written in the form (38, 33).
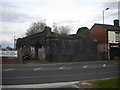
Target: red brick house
(108, 40)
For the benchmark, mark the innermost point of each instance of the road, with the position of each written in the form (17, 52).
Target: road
(41, 74)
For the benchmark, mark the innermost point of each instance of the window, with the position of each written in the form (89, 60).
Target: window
(117, 36)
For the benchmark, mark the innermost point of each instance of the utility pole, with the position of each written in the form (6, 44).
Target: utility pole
(14, 42)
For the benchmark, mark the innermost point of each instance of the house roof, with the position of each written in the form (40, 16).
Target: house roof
(108, 27)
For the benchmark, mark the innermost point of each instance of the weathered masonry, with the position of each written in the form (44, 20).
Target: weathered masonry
(57, 48)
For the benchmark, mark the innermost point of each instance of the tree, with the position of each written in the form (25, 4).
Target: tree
(63, 30)
(55, 28)
(83, 32)
(36, 27)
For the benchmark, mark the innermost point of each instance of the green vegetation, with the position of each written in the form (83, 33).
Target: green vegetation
(108, 84)
(61, 30)
(43, 62)
(36, 61)
(39, 26)
(36, 27)
(83, 32)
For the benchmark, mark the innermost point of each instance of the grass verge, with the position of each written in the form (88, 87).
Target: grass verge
(36, 61)
(113, 83)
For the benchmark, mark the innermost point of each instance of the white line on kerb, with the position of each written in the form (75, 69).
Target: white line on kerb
(37, 69)
(104, 65)
(9, 69)
(85, 66)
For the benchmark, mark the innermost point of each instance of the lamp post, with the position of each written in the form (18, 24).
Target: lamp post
(104, 37)
(103, 14)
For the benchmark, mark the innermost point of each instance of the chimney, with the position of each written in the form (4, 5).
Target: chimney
(116, 22)
(47, 30)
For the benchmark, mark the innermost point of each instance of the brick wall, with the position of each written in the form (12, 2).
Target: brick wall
(99, 34)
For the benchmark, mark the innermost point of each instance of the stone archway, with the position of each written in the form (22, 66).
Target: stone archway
(39, 51)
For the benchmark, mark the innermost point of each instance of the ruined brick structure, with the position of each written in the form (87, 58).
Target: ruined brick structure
(57, 48)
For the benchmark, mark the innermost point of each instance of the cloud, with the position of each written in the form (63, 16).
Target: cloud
(68, 21)
(110, 14)
(8, 5)
(8, 32)
(113, 8)
(12, 13)
(14, 16)
(113, 13)
(111, 5)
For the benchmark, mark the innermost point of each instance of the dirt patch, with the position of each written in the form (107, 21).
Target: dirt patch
(85, 84)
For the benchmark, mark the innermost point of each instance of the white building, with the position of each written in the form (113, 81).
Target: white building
(113, 36)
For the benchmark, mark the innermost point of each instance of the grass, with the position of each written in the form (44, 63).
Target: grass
(43, 62)
(108, 84)
(36, 61)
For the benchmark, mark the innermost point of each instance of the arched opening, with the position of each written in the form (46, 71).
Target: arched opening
(38, 52)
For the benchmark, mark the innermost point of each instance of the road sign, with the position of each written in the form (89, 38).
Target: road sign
(8, 53)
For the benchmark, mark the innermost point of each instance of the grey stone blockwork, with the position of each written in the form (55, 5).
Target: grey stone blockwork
(65, 50)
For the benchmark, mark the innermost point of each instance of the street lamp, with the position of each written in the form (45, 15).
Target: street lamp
(103, 14)
(104, 35)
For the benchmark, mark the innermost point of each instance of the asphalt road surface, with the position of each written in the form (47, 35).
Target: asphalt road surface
(39, 74)
(35, 74)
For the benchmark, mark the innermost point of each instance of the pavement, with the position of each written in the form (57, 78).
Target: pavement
(47, 86)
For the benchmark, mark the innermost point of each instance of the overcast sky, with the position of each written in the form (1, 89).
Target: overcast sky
(18, 15)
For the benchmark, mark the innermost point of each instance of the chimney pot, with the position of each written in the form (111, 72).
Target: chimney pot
(116, 22)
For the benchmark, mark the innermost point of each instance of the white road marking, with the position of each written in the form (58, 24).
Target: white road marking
(85, 66)
(64, 68)
(61, 67)
(104, 65)
(35, 69)
(11, 69)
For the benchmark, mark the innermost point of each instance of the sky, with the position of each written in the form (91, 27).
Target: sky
(18, 15)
